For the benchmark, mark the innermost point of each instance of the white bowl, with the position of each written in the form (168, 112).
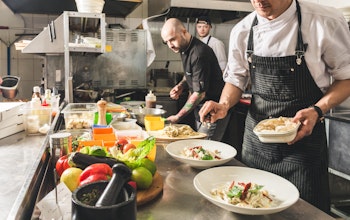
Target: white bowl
(127, 124)
(282, 190)
(285, 135)
(227, 152)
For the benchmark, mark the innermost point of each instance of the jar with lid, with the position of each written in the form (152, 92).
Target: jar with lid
(150, 100)
(36, 92)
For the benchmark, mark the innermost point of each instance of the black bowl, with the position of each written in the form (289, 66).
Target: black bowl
(85, 197)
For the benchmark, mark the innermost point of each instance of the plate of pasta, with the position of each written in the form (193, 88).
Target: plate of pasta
(201, 154)
(175, 132)
(246, 190)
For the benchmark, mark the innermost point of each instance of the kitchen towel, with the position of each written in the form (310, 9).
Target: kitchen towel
(151, 55)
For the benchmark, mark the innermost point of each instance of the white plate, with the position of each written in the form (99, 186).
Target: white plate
(283, 190)
(227, 152)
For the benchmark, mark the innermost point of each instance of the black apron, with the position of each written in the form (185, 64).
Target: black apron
(280, 87)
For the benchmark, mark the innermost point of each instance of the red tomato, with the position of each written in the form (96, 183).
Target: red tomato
(62, 164)
(127, 147)
(121, 142)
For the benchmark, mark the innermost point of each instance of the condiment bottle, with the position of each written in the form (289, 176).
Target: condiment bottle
(150, 100)
(102, 110)
(36, 92)
(47, 97)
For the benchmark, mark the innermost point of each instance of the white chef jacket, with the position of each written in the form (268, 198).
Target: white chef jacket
(218, 48)
(324, 29)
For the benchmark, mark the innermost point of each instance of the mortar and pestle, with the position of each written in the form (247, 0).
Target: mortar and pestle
(114, 199)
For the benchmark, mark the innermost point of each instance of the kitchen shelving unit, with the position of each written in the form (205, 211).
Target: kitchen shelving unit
(62, 36)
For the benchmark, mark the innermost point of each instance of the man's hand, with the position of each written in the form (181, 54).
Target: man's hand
(176, 91)
(173, 119)
(212, 111)
(308, 117)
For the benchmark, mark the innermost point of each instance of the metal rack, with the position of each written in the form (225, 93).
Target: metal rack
(61, 36)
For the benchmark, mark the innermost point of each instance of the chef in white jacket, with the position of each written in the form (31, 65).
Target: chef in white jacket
(203, 27)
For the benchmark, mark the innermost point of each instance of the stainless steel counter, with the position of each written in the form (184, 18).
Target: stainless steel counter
(20, 156)
(180, 200)
(23, 183)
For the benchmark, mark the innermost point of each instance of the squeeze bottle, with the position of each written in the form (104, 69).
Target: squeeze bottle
(150, 100)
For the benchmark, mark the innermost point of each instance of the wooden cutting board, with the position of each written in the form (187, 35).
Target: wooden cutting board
(147, 195)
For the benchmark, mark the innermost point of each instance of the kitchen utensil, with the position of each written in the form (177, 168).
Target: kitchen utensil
(9, 86)
(85, 197)
(61, 143)
(121, 174)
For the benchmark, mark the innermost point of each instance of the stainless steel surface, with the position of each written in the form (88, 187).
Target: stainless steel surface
(179, 199)
(20, 156)
(117, 8)
(218, 10)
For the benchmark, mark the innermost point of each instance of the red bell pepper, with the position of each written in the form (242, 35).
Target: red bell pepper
(62, 164)
(95, 172)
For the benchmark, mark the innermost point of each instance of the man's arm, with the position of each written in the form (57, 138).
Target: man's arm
(193, 100)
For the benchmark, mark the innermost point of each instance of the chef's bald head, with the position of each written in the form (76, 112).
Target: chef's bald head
(173, 25)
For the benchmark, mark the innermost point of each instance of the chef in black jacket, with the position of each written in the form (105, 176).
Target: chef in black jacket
(203, 76)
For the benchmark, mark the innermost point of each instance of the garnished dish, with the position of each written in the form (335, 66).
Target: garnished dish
(243, 194)
(200, 153)
(246, 190)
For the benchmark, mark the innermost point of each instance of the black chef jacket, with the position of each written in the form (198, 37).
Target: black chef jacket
(202, 70)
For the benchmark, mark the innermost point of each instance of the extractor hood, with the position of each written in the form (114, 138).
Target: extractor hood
(218, 10)
(116, 8)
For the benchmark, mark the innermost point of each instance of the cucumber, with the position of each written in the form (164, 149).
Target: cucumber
(80, 160)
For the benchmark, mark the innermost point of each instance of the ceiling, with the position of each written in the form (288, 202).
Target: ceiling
(115, 8)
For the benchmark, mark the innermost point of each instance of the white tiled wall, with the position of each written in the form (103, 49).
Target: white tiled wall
(29, 67)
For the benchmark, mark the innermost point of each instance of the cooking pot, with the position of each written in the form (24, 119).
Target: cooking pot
(9, 86)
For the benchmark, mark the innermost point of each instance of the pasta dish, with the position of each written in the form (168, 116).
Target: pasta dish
(249, 195)
(281, 124)
(199, 153)
(178, 131)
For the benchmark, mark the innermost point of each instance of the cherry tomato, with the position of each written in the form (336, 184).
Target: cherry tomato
(121, 142)
(127, 147)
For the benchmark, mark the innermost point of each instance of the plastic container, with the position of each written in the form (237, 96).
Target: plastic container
(79, 115)
(150, 100)
(37, 120)
(154, 123)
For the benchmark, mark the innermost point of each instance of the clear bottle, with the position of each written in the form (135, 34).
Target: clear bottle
(47, 97)
(36, 92)
(151, 100)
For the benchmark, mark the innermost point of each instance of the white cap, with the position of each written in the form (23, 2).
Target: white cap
(36, 89)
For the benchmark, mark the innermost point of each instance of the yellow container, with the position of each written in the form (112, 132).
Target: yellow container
(154, 123)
